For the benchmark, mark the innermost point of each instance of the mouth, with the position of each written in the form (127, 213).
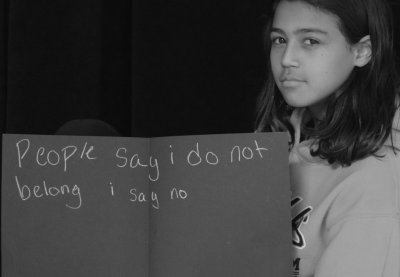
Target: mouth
(290, 78)
(289, 81)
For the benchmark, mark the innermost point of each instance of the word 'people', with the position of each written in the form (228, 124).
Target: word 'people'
(52, 157)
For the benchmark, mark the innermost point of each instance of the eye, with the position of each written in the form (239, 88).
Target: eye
(311, 41)
(278, 41)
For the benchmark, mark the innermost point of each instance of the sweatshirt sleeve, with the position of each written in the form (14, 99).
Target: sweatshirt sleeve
(364, 247)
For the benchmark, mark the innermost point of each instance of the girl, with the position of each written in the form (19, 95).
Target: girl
(333, 86)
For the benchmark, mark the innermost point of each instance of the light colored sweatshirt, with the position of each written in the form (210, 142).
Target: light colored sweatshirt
(345, 220)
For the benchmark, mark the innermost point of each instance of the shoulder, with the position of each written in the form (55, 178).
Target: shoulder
(368, 188)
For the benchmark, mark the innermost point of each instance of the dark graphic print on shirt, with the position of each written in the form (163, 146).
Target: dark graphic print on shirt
(298, 239)
(301, 218)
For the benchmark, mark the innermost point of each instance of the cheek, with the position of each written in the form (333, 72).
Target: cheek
(342, 64)
(340, 72)
(332, 72)
(275, 64)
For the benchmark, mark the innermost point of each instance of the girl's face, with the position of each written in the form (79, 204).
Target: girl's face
(310, 57)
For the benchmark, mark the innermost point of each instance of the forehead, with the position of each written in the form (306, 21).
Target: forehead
(295, 15)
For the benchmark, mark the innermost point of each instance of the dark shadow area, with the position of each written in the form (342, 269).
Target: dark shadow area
(68, 60)
(147, 68)
(197, 66)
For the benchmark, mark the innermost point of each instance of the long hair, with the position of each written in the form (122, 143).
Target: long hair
(359, 114)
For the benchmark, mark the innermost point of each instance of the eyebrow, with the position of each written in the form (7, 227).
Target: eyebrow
(302, 31)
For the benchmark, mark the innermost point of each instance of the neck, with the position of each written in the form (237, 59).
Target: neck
(318, 113)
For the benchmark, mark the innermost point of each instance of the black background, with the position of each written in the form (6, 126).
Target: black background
(148, 68)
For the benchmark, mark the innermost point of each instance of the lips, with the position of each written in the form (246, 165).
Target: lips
(290, 82)
(290, 78)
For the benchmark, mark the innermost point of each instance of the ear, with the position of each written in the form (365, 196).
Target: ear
(362, 51)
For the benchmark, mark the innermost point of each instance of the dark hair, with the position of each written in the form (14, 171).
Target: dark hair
(360, 113)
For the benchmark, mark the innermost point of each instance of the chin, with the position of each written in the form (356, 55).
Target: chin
(295, 103)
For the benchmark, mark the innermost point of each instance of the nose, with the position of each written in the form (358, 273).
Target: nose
(290, 56)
